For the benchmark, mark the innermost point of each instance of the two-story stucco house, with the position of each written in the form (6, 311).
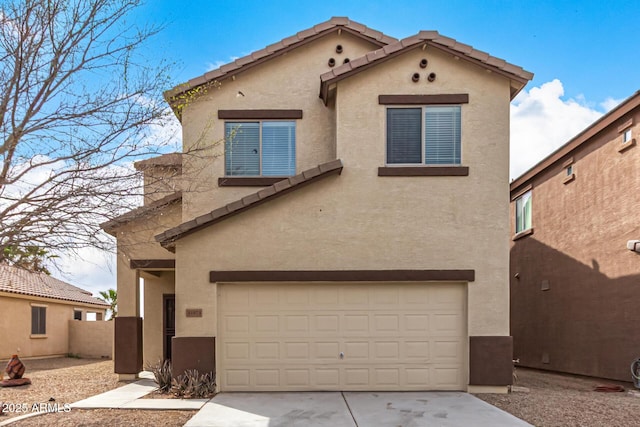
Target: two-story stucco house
(340, 220)
(575, 262)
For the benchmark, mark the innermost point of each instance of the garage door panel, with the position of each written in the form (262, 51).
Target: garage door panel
(392, 337)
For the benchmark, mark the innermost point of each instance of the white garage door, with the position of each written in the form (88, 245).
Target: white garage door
(391, 336)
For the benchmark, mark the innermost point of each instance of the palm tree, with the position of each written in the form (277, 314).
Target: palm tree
(111, 298)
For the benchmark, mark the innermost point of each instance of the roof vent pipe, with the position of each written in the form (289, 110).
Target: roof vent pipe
(415, 77)
(423, 63)
(339, 48)
(345, 60)
(332, 62)
(431, 77)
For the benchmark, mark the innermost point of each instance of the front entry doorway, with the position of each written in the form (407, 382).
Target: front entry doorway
(168, 323)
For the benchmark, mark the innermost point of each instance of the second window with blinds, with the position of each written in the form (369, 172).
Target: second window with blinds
(427, 135)
(260, 148)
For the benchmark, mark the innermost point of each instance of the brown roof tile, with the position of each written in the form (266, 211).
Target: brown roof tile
(19, 281)
(169, 237)
(278, 48)
(110, 226)
(170, 159)
(434, 39)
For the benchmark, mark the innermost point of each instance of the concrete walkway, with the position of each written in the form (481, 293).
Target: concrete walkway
(131, 396)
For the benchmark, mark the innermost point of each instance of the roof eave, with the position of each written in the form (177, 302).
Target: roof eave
(178, 95)
(168, 238)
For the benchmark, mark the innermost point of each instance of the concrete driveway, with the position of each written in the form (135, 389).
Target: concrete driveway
(351, 409)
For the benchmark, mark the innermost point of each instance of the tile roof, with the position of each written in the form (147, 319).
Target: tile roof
(170, 159)
(583, 137)
(169, 237)
(19, 281)
(279, 48)
(110, 226)
(430, 38)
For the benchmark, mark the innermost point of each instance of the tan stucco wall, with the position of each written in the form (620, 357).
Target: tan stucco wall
(359, 220)
(15, 327)
(136, 241)
(154, 289)
(91, 339)
(160, 181)
(290, 81)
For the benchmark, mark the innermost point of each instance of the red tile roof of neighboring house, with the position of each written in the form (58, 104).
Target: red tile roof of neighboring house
(19, 281)
(583, 137)
(136, 213)
(432, 39)
(169, 237)
(277, 49)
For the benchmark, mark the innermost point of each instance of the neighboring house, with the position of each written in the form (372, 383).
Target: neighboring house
(340, 223)
(35, 310)
(574, 269)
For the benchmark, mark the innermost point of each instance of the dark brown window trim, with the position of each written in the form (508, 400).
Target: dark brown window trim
(521, 192)
(626, 125)
(259, 114)
(344, 276)
(453, 98)
(248, 181)
(150, 264)
(626, 145)
(423, 171)
(522, 234)
(567, 179)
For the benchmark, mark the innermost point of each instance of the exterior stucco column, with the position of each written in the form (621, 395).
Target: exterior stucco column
(128, 323)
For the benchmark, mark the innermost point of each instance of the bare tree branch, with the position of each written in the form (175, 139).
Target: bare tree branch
(79, 104)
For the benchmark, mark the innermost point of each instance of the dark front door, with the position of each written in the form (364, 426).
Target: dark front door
(168, 322)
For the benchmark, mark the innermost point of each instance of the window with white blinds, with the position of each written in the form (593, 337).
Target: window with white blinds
(266, 148)
(428, 135)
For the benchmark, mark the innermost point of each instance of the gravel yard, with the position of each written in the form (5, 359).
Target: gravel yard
(567, 400)
(68, 380)
(552, 399)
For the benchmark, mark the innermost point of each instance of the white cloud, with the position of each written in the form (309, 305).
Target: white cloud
(91, 269)
(609, 103)
(542, 121)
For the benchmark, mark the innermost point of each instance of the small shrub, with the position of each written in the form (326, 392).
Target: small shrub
(73, 356)
(193, 385)
(162, 374)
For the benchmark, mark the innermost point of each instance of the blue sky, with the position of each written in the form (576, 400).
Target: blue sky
(583, 54)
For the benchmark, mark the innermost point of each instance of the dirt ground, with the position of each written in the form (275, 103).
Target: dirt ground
(567, 400)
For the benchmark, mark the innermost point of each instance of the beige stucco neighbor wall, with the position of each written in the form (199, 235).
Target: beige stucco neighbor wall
(91, 339)
(154, 289)
(290, 81)
(15, 327)
(361, 221)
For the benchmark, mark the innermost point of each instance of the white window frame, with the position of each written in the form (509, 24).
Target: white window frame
(627, 136)
(260, 122)
(423, 132)
(520, 209)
